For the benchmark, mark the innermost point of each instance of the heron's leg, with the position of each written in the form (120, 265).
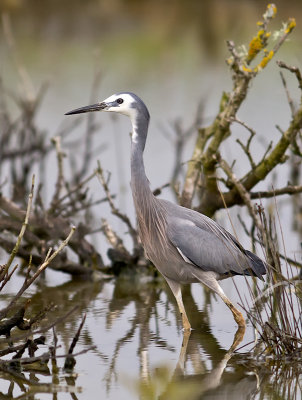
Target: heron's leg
(238, 317)
(176, 290)
(209, 280)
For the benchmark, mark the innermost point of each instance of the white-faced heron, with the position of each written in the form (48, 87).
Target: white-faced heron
(184, 245)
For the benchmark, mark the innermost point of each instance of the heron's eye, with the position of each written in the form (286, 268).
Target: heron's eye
(120, 101)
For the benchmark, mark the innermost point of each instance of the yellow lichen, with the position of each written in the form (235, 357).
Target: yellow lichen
(244, 68)
(290, 25)
(256, 44)
(265, 60)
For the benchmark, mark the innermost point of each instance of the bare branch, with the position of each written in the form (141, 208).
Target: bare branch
(114, 210)
(289, 99)
(21, 234)
(60, 176)
(292, 69)
(290, 189)
(273, 159)
(79, 186)
(120, 253)
(246, 148)
(243, 193)
(90, 129)
(49, 257)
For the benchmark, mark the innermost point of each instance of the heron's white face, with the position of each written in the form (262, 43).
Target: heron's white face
(123, 103)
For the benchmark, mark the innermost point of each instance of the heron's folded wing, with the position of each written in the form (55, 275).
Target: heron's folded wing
(206, 246)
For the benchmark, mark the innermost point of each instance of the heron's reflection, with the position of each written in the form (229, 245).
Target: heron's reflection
(198, 380)
(204, 380)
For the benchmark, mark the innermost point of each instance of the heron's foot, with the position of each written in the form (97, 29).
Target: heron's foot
(186, 326)
(238, 317)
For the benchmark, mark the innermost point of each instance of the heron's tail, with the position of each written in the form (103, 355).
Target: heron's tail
(258, 266)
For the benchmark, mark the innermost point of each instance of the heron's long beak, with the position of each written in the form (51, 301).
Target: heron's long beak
(93, 107)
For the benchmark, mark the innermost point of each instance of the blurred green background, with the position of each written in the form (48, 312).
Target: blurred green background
(135, 33)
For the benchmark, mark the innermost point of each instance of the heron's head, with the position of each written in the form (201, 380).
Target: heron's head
(124, 103)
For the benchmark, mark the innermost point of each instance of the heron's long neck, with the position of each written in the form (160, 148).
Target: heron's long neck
(142, 194)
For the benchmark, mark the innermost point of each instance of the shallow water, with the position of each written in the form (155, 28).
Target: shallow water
(139, 349)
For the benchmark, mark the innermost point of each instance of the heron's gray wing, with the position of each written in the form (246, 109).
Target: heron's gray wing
(205, 244)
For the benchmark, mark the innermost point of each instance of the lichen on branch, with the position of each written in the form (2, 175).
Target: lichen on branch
(201, 170)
